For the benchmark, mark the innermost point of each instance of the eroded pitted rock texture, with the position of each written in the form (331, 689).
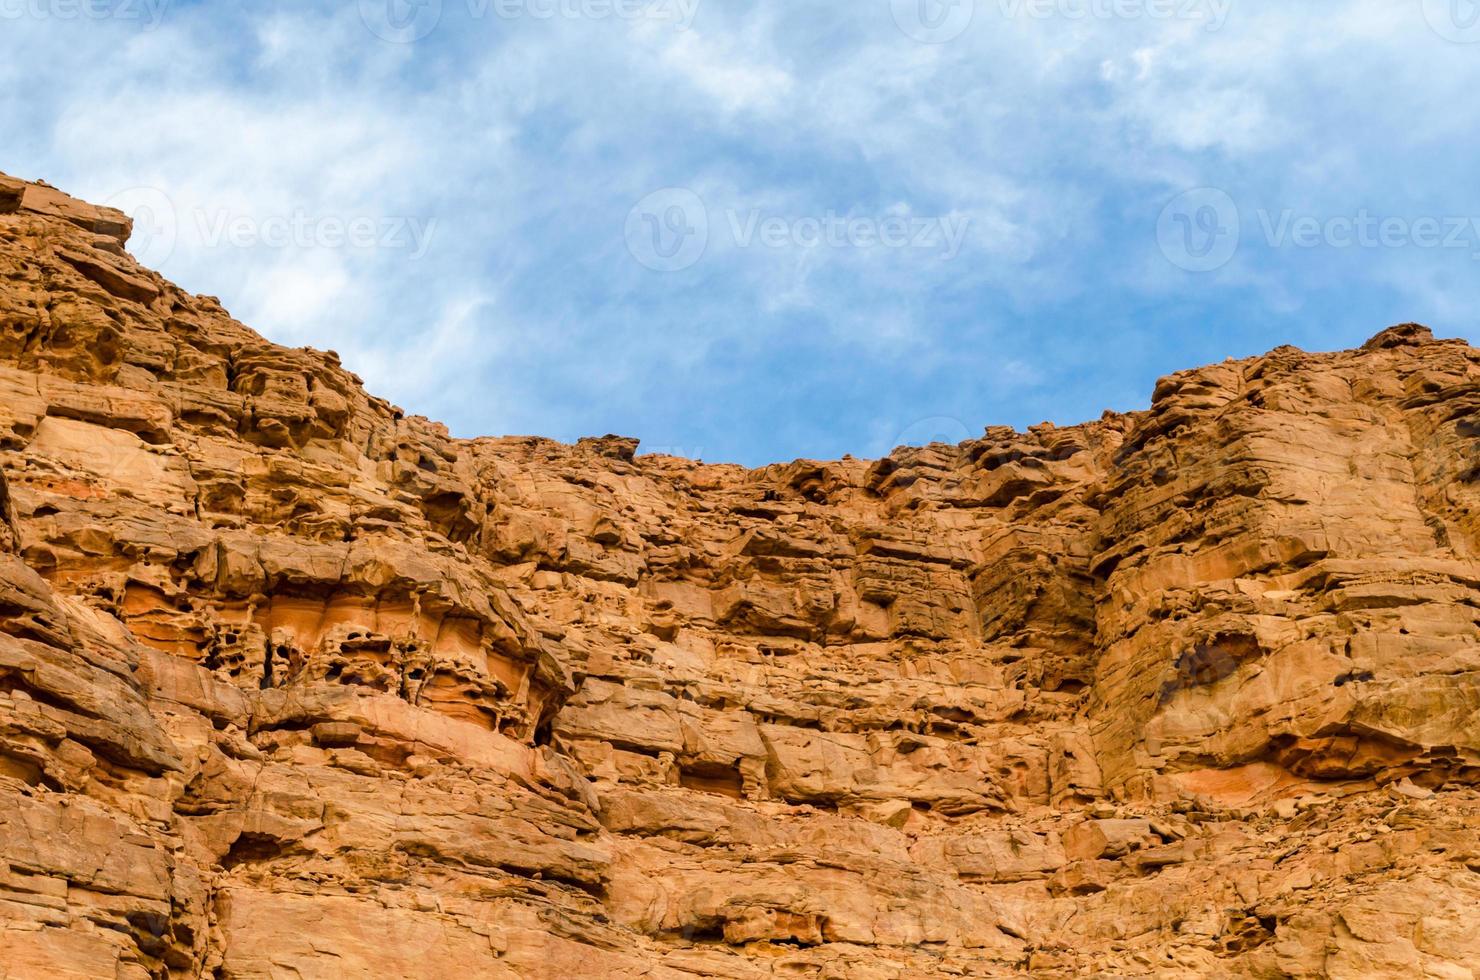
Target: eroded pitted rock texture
(292, 685)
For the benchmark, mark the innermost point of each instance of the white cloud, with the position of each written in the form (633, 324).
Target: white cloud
(717, 70)
(529, 141)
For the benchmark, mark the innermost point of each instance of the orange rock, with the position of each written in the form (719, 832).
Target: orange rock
(292, 684)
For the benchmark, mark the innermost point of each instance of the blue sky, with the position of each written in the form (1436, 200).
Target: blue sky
(748, 232)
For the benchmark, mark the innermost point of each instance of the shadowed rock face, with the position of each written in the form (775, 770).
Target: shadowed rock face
(292, 685)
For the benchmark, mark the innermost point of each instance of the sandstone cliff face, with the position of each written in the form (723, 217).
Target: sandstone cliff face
(292, 685)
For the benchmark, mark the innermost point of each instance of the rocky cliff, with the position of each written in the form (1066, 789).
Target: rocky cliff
(293, 685)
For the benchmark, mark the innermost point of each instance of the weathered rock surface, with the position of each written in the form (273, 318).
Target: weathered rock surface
(292, 685)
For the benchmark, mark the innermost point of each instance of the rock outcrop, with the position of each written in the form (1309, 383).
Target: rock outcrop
(293, 685)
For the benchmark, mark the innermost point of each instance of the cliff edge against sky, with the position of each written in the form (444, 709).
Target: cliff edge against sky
(292, 685)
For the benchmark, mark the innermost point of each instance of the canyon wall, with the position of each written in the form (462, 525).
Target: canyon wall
(294, 685)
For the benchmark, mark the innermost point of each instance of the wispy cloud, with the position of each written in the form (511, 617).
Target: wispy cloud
(523, 146)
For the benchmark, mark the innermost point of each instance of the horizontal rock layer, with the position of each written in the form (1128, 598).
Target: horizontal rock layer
(293, 685)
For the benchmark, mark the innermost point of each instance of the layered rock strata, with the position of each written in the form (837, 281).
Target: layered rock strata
(294, 685)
